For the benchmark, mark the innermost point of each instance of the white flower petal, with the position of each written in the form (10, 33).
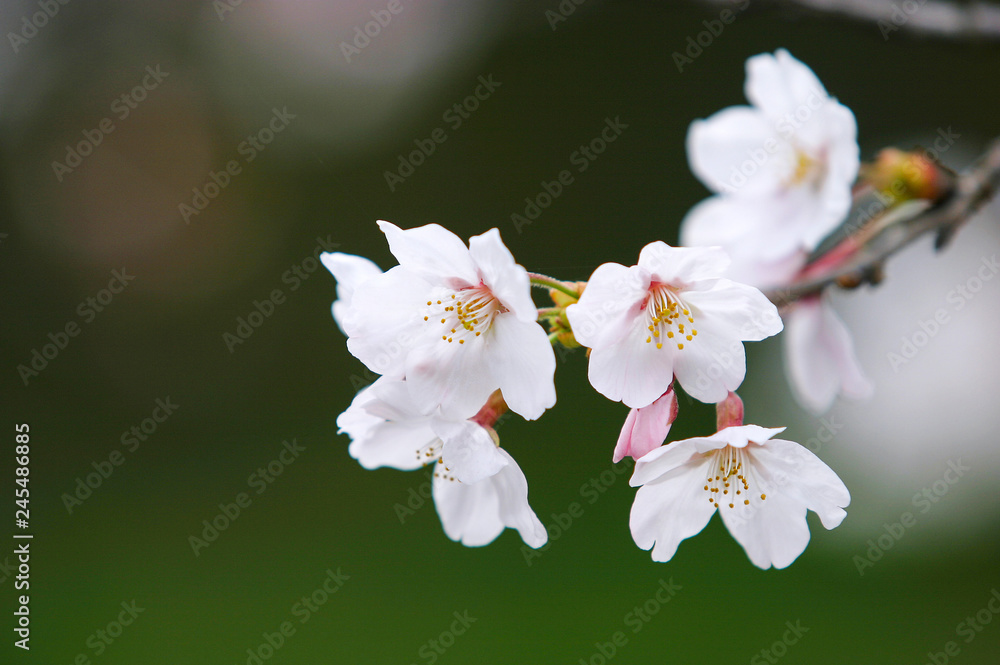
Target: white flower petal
(722, 149)
(375, 442)
(469, 452)
(666, 460)
(740, 436)
(349, 271)
(433, 252)
(683, 266)
(632, 371)
(607, 309)
(670, 509)
(808, 479)
(393, 444)
(475, 514)
(780, 85)
(470, 514)
(740, 310)
(521, 359)
(820, 358)
(515, 512)
(455, 377)
(752, 226)
(386, 320)
(507, 280)
(776, 533)
(711, 365)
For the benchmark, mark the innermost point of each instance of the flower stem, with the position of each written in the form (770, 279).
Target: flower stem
(548, 312)
(546, 282)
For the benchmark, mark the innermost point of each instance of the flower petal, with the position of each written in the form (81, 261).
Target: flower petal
(753, 227)
(469, 451)
(741, 310)
(666, 460)
(349, 271)
(682, 266)
(819, 357)
(772, 532)
(386, 320)
(809, 480)
(470, 514)
(475, 514)
(780, 85)
(515, 512)
(452, 376)
(670, 509)
(738, 150)
(609, 305)
(632, 371)
(520, 357)
(376, 442)
(507, 280)
(713, 364)
(433, 252)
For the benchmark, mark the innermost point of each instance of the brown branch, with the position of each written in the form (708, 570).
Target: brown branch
(972, 189)
(935, 18)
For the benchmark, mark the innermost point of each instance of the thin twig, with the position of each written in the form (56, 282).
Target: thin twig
(936, 18)
(972, 189)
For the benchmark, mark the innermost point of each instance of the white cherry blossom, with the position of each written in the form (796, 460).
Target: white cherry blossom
(458, 322)
(782, 168)
(762, 488)
(478, 488)
(672, 314)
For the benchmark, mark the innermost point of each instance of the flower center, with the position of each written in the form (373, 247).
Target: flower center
(668, 316)
(431, 454)
(808, 171)
(731, 482)
(463, 314)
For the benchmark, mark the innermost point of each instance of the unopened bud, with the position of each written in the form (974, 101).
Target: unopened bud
(904, 176)
(729, 412)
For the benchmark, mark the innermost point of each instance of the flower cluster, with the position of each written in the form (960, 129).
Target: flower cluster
(458, 340)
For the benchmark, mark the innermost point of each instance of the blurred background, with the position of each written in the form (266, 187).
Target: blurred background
(166, 167)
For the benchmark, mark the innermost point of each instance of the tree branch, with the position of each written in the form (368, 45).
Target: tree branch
(864, 259)
(936, 18)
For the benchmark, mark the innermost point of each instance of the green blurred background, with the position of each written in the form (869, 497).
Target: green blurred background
(322, 179)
